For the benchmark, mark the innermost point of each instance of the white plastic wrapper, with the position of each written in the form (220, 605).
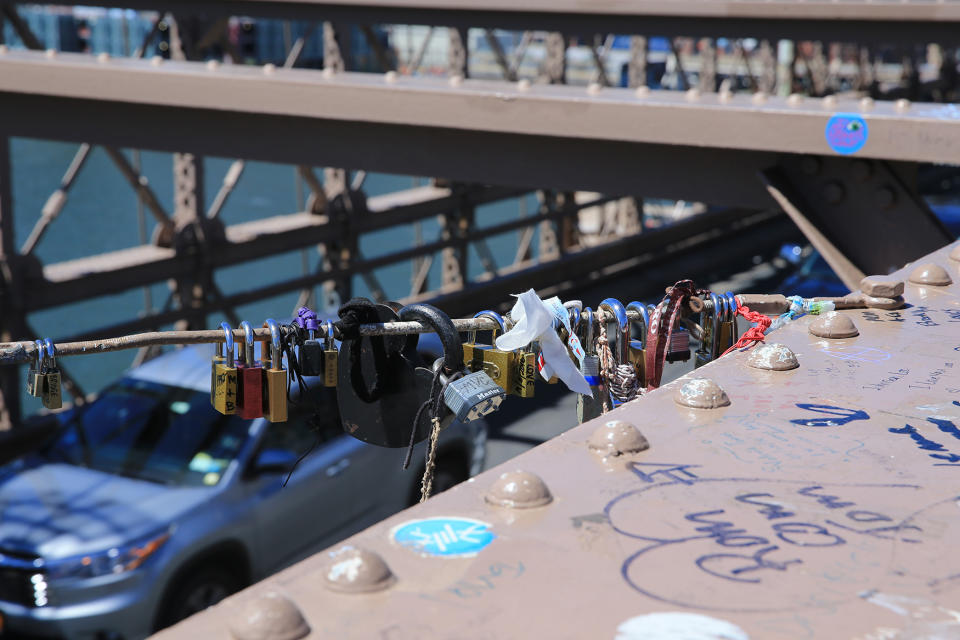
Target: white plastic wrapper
(533, 320)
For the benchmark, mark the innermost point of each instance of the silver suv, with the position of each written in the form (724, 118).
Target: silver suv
(149, 506)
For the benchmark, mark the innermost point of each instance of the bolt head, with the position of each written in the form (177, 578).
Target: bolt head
(833, 325)
(833, 192)
(519, 490)
(810, 165)
(795, 99)
(885, 197)
(901, 106)
(523, 84)
(617, 438)
(701, 393)
(642, 92)
(269, 69)
(693, 94)
(355, 570)
(881, 287)
(594, 88)
(829, 102)
(390, 77)
(955, 254)
(866, 103)
(931, 274)
(773, 357)
(268, 617)
(455, 81)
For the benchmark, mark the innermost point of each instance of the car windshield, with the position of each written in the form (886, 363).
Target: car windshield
(151, 431)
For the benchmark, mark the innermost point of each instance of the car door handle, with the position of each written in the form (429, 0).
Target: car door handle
(338, 468)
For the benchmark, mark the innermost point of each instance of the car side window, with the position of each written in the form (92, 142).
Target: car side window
(313, 421)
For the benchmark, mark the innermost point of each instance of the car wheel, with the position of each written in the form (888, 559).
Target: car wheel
(449, 472)
(195, 592)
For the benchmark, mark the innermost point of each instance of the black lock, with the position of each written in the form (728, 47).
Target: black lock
(311, 357)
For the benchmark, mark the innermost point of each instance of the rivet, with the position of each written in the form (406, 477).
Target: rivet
(833, 325)
(931, 274)
(156, 61)
(692, 94)
(725, 96)
(356, 570)
(885, 197)
(881, 287)
(955, 254)
(862, 170)
(833, 192)
(50, 53)
(523, 84)
(829, 102)
(773, 357)
(268, 617)
(3, 49)
(103, 57)
(794, 99)
(701, 393)
(269, 69)
(866, 103)
(519, 490)
(455, 81)
(642, 92)
(213, 65)
(328, 73)
(902, 105)
(810, 165)
(594, 88)
(390, 77)
(616, 438)
(759, 98)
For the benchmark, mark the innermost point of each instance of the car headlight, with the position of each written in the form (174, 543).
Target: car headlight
(112, 561)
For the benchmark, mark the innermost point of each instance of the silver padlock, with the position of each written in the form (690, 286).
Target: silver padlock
(590, 407)
(472, 396)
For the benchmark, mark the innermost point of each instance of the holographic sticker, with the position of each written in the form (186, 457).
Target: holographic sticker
(444, 537)
(846, 133)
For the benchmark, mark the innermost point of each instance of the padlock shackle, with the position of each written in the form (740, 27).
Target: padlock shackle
(40, 347)
(641, 308)
(51, 351)
(229, 345)
(276, 356)
(496, 317)
(248, 355)
(443, 325)
(615, 308)
(732, 308)
(587, 316)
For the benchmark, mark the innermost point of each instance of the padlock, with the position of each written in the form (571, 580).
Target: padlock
(330, 359)
(225, 377)
(218, 358)
(590, 407)
(34, 375)
(625, 383)
(275, 398)
(525, 374)
(250, 379)
(311, 351)
(679, 348)
(51, 394)
(710, 332)
(637, 346)
(466, 398)
(728, 323)
(500, 365)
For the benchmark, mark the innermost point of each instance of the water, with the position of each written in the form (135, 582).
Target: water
(100, 215)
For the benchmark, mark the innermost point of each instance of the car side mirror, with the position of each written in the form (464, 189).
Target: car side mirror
(273, 461)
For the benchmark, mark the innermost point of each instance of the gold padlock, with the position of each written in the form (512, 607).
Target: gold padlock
(34, 375)
(525, 375)
(218, 358)
(275, 398)
(225, 377)
(330, 359)
(637, 346)
(499, 365)
(51, 394)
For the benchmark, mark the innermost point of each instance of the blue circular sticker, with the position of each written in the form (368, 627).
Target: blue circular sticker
(444, 537)
(846, 133)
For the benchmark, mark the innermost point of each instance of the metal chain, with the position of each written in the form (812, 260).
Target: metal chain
(426, 487)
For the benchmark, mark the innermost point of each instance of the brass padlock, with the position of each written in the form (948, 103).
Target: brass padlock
(218, 358)
(225, 377)
(498, 364)
(275, 398)
(51, 394)
(525, 374)
(330, 359)
(34, 375)
(637, 346)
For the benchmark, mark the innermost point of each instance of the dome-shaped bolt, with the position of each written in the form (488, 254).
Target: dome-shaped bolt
(328, 73)
(931, 274)
(156, 61)
(885, 197)
(390, 77)
(759, 98)
(103, 57)
(594, 88)
(955, 254)
(269, 69)
(519, 490)
(701, 393)
(810, 165)
(773, 357)
(881, 287)
(692, 94)
(829, 102)
(213, 65)
(268, 617)
(355, 570)
(3, 49)
(833, 192)
(523, 84)
(642, 92)
(50, 53)
(866, 104)
(794, 99)
(901, 106)
(455, 80)
(617, 438)
(833, 325)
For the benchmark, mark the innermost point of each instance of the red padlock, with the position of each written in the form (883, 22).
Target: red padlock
(250, 379)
